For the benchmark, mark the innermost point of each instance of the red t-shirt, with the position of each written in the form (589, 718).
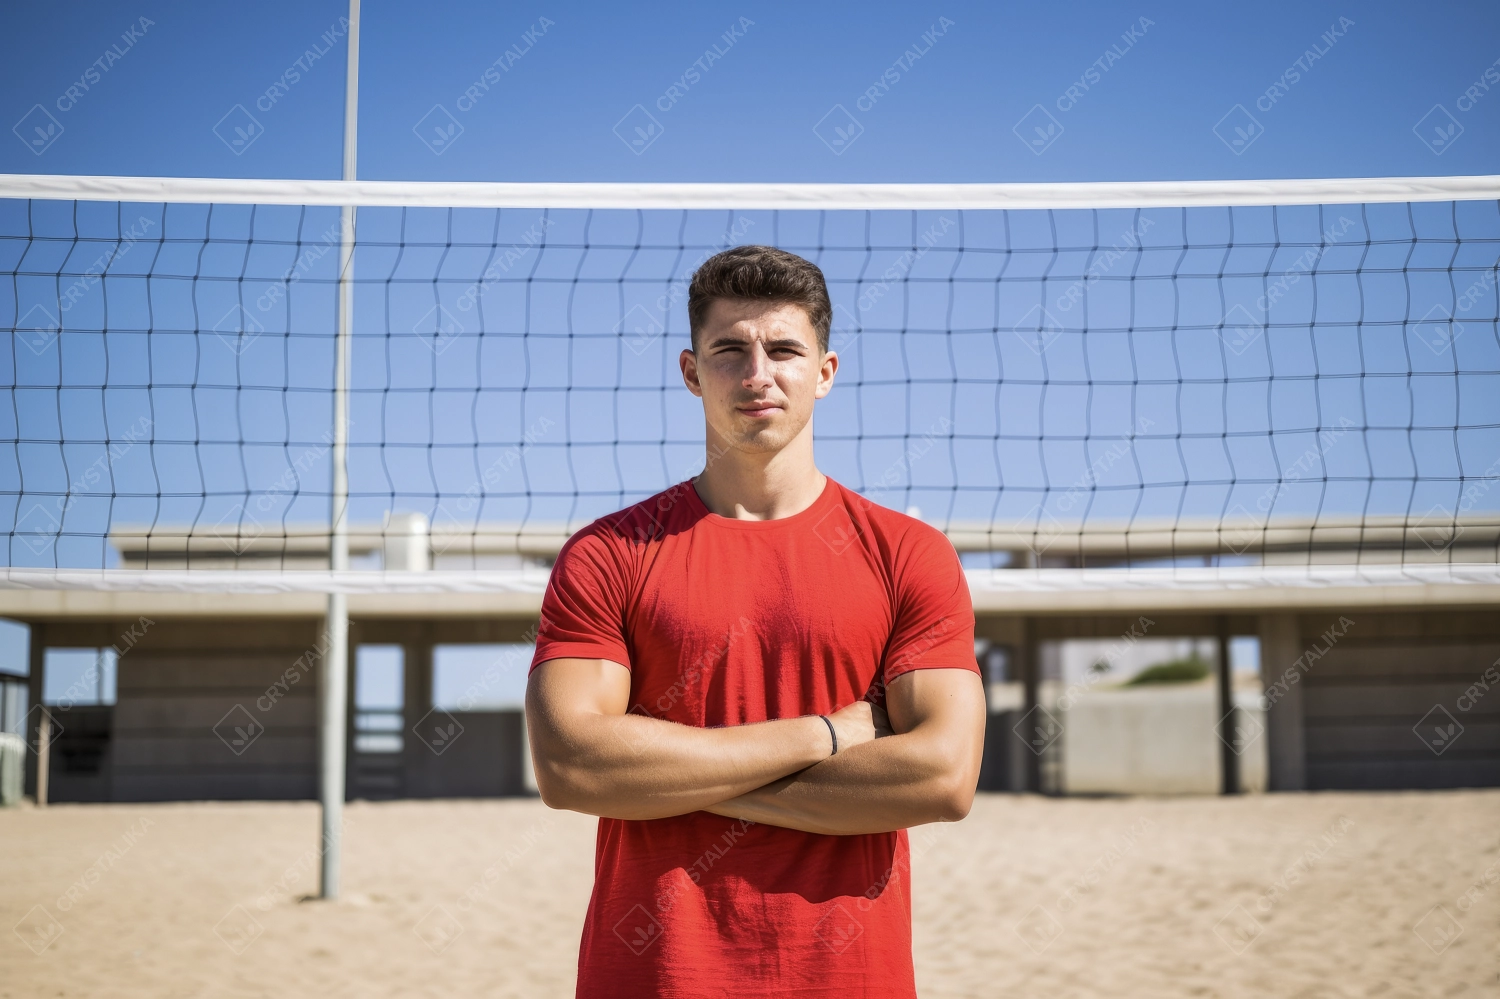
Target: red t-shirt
(724, 622)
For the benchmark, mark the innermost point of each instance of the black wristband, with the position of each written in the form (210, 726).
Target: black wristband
(832, 733)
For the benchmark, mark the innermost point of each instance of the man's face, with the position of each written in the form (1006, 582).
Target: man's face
(758, 371)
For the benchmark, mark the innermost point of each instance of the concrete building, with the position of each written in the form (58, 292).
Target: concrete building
(1374, 637)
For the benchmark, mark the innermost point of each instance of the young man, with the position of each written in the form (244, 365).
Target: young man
(758, 679)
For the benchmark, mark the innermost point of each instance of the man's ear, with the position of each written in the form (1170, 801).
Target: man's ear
(827, 368)
(688, 362)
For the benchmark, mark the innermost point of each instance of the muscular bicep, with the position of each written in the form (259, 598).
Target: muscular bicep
(946, 709)
(562, 692)
(947, 697)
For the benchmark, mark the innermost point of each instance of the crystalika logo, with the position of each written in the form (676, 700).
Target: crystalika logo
(638, 129)
(639, 329)
(38, 130)
(1238, 129)
(238, 129)
(1438, 129)
(838, 129)
(38, 328)
(438, 130)
(1038, 129)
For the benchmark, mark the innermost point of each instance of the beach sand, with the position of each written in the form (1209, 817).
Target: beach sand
(1291, 895)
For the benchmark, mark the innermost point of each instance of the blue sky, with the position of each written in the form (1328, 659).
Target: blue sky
(1339, 393)
(949, 115)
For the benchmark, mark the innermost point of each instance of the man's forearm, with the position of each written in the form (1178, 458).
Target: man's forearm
(636, 767)
(925, 773)
(891, 783)
(592, 755)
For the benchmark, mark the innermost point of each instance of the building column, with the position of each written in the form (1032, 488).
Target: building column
(36, 649)
(1280, 646)
(1230, 745)
(416, 756)
(1028, 667)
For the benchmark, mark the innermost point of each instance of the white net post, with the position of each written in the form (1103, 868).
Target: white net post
(333, 727)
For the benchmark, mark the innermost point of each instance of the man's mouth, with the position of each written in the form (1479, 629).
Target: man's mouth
(758, 410)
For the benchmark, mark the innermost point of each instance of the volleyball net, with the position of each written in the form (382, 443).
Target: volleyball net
(1290, 373)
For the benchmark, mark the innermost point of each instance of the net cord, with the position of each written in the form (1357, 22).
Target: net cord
(456, 194)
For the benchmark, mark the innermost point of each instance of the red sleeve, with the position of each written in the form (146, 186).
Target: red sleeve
(934, 612)
(583, 609)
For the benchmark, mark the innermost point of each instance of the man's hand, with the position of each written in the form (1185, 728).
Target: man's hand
(926, 770)
(592, 756)
(857, 724)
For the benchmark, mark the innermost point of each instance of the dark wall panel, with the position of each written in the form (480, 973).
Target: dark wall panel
(199, 716)
(1399, 713)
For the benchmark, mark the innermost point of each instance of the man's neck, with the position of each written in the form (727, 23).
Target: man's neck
(759, 487)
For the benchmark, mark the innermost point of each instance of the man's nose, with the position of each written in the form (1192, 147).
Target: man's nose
(759, 370)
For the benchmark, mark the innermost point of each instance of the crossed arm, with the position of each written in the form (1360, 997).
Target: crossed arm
(915, 762)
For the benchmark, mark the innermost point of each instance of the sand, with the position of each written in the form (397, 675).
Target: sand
(1294, 896)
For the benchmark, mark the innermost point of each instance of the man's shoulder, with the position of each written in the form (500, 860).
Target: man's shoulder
(644, 521)
(891, 529)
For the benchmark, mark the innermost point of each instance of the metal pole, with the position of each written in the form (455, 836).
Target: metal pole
(43, 755)
(1229, 724)
(334, 721)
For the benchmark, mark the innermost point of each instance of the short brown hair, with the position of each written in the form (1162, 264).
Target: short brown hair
(761, 273)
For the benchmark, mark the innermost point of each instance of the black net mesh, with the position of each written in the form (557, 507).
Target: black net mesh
(1053, 387)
